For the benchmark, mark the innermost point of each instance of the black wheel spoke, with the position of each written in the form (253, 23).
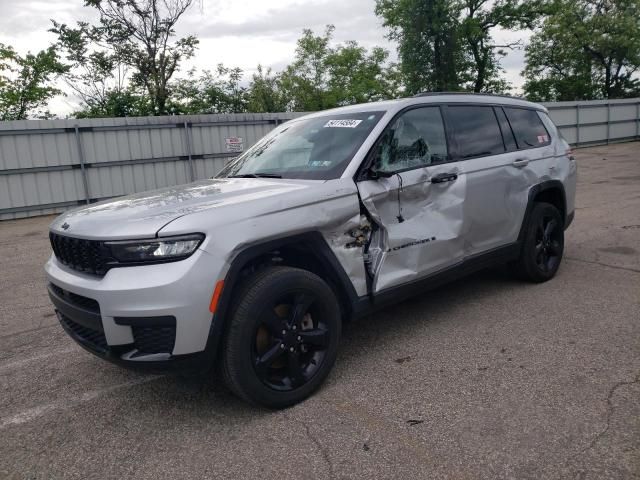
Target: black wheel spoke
(318, 337)
(554, 248)
(301, 305)
(545, 261)
(539, 253)
(294, 369)
(549, 229)
(264, 361)
(274, 323)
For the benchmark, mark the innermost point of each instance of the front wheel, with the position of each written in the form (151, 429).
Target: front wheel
(283, 337)
(543, 245)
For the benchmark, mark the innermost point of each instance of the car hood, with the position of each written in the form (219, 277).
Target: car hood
(144, 214)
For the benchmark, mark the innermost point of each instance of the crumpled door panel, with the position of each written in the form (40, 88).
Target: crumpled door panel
(427, 237)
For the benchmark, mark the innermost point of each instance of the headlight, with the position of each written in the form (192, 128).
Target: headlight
(156, 249)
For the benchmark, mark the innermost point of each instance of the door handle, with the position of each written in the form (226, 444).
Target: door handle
(444, 177)
(522, 162)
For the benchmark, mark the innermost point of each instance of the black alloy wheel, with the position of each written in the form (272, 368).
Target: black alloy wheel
(542, 246)
(282, 339)
(548, 249)
(291, 341)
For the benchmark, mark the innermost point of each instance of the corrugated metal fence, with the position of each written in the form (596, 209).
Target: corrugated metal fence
(49, 166)
(597, 122)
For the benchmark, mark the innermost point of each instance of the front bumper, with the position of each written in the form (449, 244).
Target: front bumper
(147, 316)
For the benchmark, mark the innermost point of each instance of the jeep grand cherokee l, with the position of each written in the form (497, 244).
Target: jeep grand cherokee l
(328, 217)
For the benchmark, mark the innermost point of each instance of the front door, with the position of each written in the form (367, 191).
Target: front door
(416, 202)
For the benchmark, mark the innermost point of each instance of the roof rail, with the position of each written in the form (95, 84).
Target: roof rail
(434, 94)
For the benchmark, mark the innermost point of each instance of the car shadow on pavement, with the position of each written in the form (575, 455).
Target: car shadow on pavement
(206, 398)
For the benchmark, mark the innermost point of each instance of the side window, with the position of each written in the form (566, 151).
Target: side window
(507, 133)
(527, 127)
(415, 139)
(476, 130)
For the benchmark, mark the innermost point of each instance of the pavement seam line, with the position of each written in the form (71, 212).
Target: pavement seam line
(30, 330)
(18, 363)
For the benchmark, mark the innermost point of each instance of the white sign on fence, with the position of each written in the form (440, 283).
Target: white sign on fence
(234, 144)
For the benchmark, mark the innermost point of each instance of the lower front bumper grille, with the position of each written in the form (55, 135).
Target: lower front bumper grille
(94, 340)
(154, 339)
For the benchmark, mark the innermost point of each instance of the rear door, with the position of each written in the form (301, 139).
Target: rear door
(416, 202)
(498, 174)
(487, 165)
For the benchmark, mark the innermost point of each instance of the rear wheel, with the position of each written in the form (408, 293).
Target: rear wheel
(283, 337)
(543, 245)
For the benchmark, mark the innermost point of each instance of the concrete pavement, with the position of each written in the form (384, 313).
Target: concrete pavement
(484, 378)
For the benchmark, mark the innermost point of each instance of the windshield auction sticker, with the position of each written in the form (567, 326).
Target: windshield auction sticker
(342, 123)
(234, 144)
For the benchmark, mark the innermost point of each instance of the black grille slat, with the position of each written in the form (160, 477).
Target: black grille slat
(89, 256)
(154, 339)
(77, 300)
(93, 338)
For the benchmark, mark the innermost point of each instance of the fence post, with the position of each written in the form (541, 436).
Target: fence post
(83, 170)
(577, 124)
(187, 133)
(638, 119)
(608, 121)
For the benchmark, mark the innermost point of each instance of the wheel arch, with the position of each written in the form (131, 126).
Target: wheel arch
(550, 191)
(308, 251)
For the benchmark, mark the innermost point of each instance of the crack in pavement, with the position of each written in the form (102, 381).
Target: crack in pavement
(634, 270)
(323, 451)
(610, 409)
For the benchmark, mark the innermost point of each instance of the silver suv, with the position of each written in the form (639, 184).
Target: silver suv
(328, 217)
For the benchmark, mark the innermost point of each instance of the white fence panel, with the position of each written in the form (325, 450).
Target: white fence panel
(47, 166)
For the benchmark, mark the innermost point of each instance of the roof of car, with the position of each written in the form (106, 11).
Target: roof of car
(433, 97)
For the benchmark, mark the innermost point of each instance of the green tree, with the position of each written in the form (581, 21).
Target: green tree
(429, 44)
(477, 21)
(27, 83)
(219, 92)
(358, 76)
(304, 81)
(585, 49)
(264, 93)
(95, 73)
(448, 44)
(322, 76)
(138, 34)
(117, 103)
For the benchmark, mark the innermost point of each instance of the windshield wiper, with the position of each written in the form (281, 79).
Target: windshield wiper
(256, 175)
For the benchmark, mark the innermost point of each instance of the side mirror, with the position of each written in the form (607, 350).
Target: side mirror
(375, 174)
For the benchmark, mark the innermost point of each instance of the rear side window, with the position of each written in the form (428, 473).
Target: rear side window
(527, 127)
(507, 133)
(476, 130)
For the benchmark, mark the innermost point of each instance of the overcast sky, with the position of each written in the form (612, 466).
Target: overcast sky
(238, 33)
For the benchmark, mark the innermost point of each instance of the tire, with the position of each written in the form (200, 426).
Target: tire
(282, 339)
(543, 245)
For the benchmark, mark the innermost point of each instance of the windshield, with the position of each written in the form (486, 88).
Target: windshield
(317, 148)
